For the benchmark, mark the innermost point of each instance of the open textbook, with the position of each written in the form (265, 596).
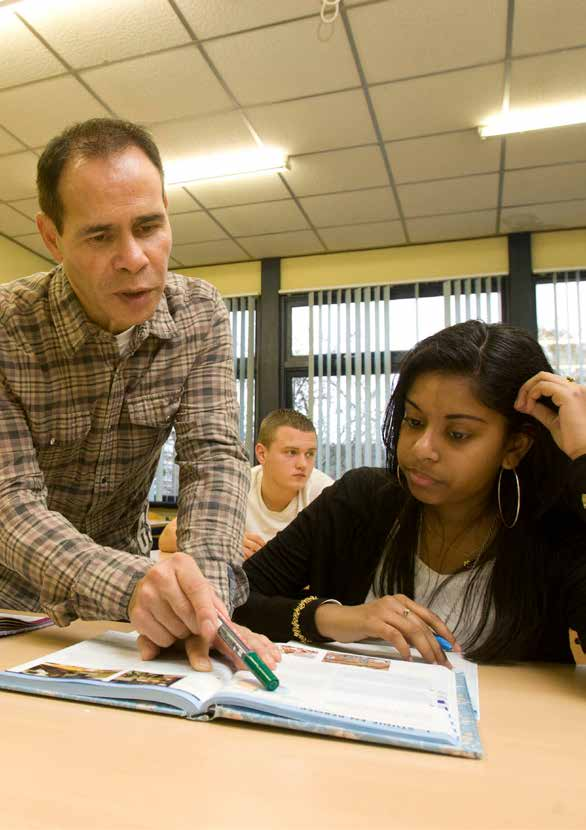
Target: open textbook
(329, 692)
(21, 623)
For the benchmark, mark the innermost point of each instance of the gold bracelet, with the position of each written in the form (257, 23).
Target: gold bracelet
(297, 633)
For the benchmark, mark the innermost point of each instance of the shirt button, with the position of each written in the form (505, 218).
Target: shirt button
(104, 480)
(51, 442)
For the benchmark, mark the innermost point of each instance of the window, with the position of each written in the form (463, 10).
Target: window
(561, 321)
(242, 312)
(344, 348)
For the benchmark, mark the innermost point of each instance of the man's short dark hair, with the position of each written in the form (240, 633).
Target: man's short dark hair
(96, 138)
(282, 418)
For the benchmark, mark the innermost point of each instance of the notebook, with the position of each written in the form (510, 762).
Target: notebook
(21, 623)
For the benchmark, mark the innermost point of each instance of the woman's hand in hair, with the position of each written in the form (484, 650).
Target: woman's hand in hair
(568, 424)
(397, 619)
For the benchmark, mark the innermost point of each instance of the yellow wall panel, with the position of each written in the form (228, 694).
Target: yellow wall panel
(469, 258)
(16, 261)
(231, 280)
(558, 250)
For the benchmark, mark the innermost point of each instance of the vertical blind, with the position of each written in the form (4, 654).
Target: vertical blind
(561, 321)
(353, 334)
(242, 312)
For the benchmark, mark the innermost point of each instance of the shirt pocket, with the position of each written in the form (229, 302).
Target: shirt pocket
(150, 421)
(59, 442)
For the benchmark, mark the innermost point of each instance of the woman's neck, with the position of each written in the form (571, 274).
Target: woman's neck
(452, 538)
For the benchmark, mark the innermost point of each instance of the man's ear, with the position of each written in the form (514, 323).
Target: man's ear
(50, 235)
(518, 446)
(261, 453)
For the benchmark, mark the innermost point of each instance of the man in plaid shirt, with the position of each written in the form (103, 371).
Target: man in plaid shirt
(99, 359)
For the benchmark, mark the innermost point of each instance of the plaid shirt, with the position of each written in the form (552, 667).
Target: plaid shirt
(81, 429)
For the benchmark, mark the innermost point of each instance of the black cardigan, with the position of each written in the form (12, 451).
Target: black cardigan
(333, 547)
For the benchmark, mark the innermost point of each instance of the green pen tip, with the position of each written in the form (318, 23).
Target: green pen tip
(261, 671)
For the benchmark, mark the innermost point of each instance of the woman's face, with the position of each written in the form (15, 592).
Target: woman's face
(451, 445)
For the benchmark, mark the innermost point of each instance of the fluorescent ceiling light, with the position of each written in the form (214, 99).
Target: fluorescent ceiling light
(535, 118)
(226, 165)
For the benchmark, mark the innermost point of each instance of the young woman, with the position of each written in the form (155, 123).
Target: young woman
(476, 530)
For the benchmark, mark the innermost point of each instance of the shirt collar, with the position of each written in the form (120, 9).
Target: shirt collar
(74, 327)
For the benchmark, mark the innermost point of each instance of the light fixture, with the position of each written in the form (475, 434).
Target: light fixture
(225, 165)
(535, 118)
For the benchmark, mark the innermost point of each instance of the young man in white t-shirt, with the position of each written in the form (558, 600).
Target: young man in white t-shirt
(285, 480)
(282, 484)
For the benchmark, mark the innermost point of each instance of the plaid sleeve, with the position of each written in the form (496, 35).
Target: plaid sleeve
(214, 471)
(40, 551)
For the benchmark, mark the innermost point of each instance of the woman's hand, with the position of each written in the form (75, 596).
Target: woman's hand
(397, 619)
(568, 425)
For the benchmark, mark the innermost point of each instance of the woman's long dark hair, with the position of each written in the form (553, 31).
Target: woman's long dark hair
(498, 359)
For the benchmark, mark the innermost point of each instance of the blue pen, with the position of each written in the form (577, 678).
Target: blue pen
(443, 642)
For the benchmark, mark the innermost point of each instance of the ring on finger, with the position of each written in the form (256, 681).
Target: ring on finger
(406, 612)
(570, 379)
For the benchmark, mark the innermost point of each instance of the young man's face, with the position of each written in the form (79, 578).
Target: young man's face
(116, 237)
(290, 458)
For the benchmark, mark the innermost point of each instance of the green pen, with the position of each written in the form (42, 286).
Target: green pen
(250, 658)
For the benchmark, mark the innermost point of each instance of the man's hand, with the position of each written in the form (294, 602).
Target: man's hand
(251, 543)
(173, 601)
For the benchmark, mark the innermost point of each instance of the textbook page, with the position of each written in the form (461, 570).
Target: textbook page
(20, 623)
(322, 685)
(380, 648)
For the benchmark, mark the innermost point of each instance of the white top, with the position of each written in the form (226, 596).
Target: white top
(447, 604)
(123, 341)
(267, 523)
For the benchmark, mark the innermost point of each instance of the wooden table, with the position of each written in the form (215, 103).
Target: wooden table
(71, 766)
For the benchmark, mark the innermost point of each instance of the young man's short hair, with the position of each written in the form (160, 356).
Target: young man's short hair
(282, 418)
(95, 138)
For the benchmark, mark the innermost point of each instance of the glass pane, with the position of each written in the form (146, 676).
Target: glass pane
(346, 439)
(561, 322)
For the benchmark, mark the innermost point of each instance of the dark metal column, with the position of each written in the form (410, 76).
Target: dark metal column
(519, 304)
(268, 341)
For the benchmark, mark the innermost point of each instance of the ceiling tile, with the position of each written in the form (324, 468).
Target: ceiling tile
(17, 176)
(546, 147)
(23, 57)
(285, 61)
(36, 244)
(207, 135)
(544, 184)
(179, 200)
(454, 226)
(13, 223)
(95, 32)
(155, 88)
(354, 169)
(8, 144)
(324, 122)
(405, 38)
(541, 25)
(443, 156)
(195, 227)
(449, 195)
(208, 253)
(372, 235)
(548, 79)
(239, 191)
(224, 16)
(37, 112)
(30, 207)
(351, 208)
(283, 244)
(570, 214)
(407, 109)
(267, 217)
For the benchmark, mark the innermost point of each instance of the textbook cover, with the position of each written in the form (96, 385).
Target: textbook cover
(327, 692)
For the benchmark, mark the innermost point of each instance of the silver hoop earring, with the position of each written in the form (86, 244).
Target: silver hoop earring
(498, 492)
(399, 477)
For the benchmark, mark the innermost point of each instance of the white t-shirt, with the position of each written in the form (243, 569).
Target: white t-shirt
(123, 340)
(267, 523)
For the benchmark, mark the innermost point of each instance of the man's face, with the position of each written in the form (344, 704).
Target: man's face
(116, 237)
(290, 458)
